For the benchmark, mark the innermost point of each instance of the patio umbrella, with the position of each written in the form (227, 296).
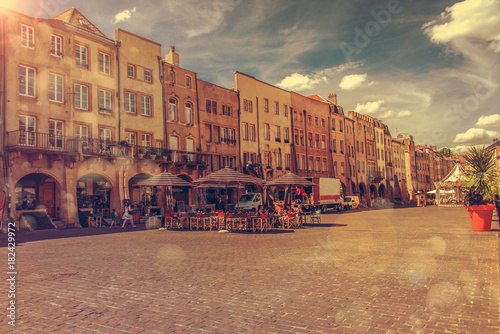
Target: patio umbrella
(287, 181)
(290, 179)
(164, 179)
(227, 178)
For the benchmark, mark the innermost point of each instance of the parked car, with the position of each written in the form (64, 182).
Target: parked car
(249, 202)
(351, 202)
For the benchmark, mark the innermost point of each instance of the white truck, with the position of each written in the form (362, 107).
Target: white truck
(327, 194)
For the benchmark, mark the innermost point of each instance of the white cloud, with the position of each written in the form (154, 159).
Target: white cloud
(299, 82)
(353, 81)
(468, 19)
(475, 136)
(378, 110)
(371, 108)
(488, 121)
(124, 15)
(404, 113)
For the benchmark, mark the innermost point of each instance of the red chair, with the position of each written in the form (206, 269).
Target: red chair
(169, 220)
(289, 220)
(227, 223)
(261, 223)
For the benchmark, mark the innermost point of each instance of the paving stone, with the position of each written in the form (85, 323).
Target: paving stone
(413, 270)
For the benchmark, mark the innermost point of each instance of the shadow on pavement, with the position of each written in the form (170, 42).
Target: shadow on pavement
(23, 237)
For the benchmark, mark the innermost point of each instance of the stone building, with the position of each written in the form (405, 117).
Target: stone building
(265, 127)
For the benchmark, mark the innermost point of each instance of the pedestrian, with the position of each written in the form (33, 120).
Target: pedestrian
(113, 219)
(126, 216)
(25, 203)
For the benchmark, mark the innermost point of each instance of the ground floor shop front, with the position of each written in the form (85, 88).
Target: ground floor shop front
(93, 185)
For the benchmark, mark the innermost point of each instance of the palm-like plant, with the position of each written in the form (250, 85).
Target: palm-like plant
(481, 184)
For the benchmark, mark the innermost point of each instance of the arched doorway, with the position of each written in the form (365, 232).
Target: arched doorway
(35, 190)
(362, 189)
(93, 190)
(373, 191)
(381, 191)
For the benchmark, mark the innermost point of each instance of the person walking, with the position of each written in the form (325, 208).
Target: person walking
(127, 216)
(113, 219)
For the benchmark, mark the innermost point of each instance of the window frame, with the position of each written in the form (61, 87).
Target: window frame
(188, 107)
(146, 101)
(104, 63)
(128, 105)
(131, 71)
(58, 95)
(29, 82)
(148, 75)
(172, 110)
(79, 93)
(28, 36)
(79, 56)
(105, 96)
(56, 43)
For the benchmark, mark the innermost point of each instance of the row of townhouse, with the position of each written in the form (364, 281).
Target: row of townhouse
(85, 117)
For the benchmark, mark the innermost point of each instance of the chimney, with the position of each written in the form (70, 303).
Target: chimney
(332, 98)
(172, 57)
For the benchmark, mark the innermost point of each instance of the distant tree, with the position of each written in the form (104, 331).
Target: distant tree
(447, 152)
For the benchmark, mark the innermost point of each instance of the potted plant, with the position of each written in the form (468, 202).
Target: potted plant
(480, 187)
(152, 154)
(165, 154)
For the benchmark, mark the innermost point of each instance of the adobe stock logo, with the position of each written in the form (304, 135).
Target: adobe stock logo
(362, 38)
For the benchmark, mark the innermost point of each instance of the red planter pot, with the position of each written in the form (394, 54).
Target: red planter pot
(480, 216)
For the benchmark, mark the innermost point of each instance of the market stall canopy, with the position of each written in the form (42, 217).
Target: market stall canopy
(290, 179)
(164, 179)
(227, 177)
(454, 177)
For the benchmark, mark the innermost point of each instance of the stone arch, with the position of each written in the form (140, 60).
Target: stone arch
(41, 189)
(344, 189)
(96, 190)
(362, 189)
(373, 191)
(381, 191)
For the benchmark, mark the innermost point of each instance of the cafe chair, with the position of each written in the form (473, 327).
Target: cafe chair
(169, 220)
(315, 218)
(227, 224)
(196, 221)
(261, 223)
(289, 220)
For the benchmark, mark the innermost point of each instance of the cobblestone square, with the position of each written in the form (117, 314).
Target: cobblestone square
(411, 270)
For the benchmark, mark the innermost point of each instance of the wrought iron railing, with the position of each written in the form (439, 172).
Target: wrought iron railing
(29, 140)
(36, 141)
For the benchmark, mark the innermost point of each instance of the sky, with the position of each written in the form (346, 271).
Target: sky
(426, 68)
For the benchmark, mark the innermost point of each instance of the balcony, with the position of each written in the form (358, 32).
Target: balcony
(35, 142)
(375, 177)
(175, 157)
